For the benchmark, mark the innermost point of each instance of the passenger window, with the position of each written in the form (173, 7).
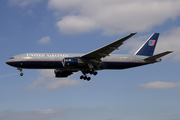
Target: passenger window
(11, 58)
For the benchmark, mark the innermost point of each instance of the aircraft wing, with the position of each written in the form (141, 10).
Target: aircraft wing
(106, 50)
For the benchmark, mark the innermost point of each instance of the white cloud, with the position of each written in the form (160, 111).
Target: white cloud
(75, 25)
(170, 41)
(47, 80)
(27, 5)
(50, 111)
(44, 40)
(23, 3)
(160, 85)
(113, 17)
(48, 114)
(8, 75)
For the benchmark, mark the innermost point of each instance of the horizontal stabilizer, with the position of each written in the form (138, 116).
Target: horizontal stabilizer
(154, 57)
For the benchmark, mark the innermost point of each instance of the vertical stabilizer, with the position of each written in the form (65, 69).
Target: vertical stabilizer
(147, 49)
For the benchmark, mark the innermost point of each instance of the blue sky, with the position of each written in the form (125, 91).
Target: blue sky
(80, 26)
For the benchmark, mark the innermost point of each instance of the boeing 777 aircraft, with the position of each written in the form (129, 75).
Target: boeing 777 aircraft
(66, 64)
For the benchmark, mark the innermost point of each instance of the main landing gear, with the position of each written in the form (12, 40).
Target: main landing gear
(85, 76)
(20, 69)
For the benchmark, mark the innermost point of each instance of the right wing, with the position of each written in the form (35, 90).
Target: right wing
(106, 50)
(95, 56)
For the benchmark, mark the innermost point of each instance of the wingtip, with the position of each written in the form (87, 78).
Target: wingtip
(170, 51)
(133, 33)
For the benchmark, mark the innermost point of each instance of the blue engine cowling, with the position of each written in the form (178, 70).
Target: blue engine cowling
(70, 62)
(62, 73)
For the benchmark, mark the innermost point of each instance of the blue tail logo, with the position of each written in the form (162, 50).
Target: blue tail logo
(147, 49)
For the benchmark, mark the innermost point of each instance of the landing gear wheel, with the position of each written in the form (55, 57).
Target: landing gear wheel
(95, 73)
(85, 78)
(20, 69)
(89, 71)
(21, 74)
(81, 77)
(88, 79)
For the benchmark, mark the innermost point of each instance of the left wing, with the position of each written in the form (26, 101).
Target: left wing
(106, 50)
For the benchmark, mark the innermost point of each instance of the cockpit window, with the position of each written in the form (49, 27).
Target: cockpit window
(11, 58)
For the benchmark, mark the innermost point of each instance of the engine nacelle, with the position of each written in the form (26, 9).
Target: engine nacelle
(72, 62)
(62, 73)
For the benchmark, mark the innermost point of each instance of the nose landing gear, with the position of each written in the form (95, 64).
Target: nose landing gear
(20, 69)
(21, 74)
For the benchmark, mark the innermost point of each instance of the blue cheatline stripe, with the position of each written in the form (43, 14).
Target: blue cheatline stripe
(58, 64)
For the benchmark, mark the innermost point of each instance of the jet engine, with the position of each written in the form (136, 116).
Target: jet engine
(62, 73)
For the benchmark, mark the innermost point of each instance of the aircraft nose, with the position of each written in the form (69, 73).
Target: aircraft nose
(11, 63)
(8, 62)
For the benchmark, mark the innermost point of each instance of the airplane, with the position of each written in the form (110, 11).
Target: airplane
(65, 64)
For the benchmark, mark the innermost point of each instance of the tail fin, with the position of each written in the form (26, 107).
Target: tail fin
(147, 49)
